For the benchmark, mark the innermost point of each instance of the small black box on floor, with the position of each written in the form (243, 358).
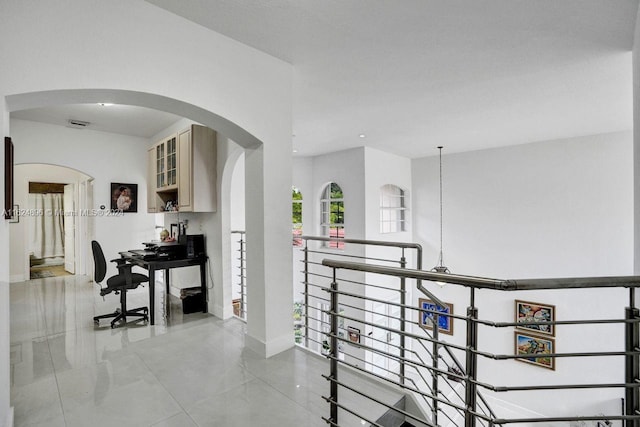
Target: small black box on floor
(191, 300)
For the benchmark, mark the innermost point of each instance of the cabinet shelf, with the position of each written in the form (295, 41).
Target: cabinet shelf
(182, 172)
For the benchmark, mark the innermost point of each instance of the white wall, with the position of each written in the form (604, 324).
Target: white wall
(636, 139)
(106, 157)
(550, 209)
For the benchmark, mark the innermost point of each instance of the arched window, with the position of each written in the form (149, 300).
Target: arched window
(392, 209)
(296, 215)
(332, 214)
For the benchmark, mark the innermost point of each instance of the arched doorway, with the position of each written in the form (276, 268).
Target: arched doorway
(50, 236)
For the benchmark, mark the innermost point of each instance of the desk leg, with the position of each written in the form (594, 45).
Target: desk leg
(152, 294)
(167, 301)
(203, 285)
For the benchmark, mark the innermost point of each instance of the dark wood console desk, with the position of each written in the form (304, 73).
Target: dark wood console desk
(152, 265)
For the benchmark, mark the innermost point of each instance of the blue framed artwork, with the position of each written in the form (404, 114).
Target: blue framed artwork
(427, 310)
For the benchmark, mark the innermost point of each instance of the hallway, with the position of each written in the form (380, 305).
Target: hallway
(191, 371)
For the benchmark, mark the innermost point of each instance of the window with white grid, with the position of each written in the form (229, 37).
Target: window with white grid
(332, 214)
(392, 209)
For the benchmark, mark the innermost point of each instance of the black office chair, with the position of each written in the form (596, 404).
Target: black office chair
(118, 284)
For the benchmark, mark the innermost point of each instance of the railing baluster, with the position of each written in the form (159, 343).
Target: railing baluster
(334, 349)
(306, 294)
(434, 373)
(632, 368)
(472, 363)
(403, 301)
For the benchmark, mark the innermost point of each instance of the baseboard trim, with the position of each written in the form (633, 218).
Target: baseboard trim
(16, 278)
(9, 420)
(270, 348)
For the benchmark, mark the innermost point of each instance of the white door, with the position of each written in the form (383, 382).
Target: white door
(387, 342)
(69, 229)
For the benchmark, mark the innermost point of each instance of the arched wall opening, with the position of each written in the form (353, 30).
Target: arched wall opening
(254, 150)
(76, 227)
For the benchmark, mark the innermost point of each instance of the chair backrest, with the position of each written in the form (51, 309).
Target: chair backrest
(100, 269)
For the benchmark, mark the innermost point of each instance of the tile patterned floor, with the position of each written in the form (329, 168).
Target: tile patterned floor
(191, 370)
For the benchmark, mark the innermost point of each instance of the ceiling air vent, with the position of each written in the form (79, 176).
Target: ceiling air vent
(78, 124)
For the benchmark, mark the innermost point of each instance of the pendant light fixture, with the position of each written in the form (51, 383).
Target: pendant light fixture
(440, 268)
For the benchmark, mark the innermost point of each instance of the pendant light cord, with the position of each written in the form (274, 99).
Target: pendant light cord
(441, 263)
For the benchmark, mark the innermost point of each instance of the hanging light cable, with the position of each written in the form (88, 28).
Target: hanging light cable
(440, 268)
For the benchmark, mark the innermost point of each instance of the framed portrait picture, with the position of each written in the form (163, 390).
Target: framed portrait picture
(124, 197)
(528, 314)
(535, 347)
(427, 312)
(354, 334)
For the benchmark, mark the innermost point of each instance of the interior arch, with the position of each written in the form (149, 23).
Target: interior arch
(30, 100)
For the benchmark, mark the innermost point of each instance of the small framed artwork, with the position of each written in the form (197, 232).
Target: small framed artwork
(124, 197)
(354, 334)
(528, 314)
(537, 348)
(427, 310)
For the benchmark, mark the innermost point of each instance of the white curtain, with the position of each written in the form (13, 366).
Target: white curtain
(46, 225)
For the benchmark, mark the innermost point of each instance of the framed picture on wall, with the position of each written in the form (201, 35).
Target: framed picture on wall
(535, 348)
(124, 197)
(427, 312)
(534, 317)
(354, 334)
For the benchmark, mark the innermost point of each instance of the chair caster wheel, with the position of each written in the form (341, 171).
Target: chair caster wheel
(96, 322)
(113, 326)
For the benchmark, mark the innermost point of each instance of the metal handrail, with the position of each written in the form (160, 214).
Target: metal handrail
(477, 282)
(631, 383)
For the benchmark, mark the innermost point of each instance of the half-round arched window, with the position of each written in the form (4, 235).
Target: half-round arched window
(332, 214)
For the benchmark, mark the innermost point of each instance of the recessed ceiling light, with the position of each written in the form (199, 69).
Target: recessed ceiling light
(362, 135)
(105, 104)
(295, 151)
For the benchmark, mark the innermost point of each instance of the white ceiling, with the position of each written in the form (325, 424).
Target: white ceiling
(122, 119)
(415, 74)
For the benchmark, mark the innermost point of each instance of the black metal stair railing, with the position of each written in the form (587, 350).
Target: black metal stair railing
(469, 407)
(432, 375)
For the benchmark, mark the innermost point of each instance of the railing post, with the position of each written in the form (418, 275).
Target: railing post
(472, 363)
(403, 301)
(306, 294)
(334, 349)
(632, 361)
(434, 363)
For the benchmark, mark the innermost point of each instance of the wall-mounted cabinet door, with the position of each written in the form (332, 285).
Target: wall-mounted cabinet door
(185, 193)
(166, 162)
(172, 162)
(151, 181)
